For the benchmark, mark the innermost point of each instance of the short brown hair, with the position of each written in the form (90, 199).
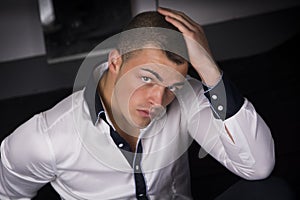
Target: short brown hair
(151, 28)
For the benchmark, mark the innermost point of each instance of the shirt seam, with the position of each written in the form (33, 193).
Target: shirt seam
(48, 139)
(51, 149)
(63, 115)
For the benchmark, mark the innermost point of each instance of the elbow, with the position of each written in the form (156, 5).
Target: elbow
(262, 171)
(263, 174)
(264, 164)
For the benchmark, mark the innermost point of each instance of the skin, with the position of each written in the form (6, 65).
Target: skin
(130, 89)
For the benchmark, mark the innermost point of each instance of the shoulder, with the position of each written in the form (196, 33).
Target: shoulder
(31, 144)
(27, 148)
(63, 109)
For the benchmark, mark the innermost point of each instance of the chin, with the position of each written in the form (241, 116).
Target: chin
(142, 124)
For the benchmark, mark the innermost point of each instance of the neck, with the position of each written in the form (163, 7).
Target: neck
(105, 91)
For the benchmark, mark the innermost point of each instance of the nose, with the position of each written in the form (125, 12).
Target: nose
(156, 94)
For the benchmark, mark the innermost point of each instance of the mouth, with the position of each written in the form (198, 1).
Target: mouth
(155, 112)
(144, 113)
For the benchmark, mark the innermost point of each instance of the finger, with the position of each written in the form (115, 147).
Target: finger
(180, 17)
(178, 24)
(177, 15)
(192, 35)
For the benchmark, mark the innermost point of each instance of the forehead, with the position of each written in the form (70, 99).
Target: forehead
(155, 59)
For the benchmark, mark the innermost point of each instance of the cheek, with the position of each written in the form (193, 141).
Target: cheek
(137, 97)
(126, 87)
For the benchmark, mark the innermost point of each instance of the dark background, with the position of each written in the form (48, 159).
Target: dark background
(268, 79)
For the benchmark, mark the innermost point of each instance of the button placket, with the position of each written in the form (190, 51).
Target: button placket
(141, 188)
(220, 107)
(214, 97)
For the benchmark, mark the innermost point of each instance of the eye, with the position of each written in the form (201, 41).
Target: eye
(146, 79)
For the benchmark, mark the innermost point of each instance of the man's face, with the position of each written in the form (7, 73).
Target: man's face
(145, 85)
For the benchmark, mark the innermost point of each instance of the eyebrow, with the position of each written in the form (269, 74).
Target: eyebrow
(161, 79)
(154, 73)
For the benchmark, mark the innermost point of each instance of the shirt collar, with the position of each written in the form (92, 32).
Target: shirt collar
(91, 95)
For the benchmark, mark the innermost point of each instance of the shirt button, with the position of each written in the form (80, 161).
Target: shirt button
(220, 108)
(214, 97)
(141, 195)
(121, 145)
(137, 167)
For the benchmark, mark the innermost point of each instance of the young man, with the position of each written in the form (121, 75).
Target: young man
(127, 137)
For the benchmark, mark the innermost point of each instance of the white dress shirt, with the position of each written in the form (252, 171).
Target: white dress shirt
(80, 159)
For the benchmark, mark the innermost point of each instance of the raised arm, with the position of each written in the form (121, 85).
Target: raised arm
(224, 123)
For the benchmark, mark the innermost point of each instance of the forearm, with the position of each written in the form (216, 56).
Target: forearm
(252, 154)
(232, 132)
(207, 69)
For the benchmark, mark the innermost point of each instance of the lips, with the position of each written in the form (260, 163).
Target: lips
(155, 112)
(144, 113)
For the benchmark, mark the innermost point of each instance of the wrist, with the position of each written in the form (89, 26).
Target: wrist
(210, 75)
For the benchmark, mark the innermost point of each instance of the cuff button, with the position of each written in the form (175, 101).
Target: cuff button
(220, 108)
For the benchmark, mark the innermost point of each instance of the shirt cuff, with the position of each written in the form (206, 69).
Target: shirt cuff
(225, 98)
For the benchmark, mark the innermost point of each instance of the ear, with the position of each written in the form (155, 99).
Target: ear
(114, 61)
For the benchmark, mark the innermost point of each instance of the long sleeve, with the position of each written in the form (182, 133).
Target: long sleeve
(238, 138)
(27, 161)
